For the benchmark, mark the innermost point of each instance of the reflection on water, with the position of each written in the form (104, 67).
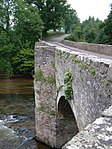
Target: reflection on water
(17, 128)
(16, 86)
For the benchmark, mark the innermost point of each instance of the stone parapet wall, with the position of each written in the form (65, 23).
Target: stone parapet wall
(97, 48)
(97, 135)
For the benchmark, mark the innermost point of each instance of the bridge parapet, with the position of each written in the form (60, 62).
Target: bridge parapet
(91, 92)
(97, 48)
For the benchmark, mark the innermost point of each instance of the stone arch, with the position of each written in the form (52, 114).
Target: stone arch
(67, 125)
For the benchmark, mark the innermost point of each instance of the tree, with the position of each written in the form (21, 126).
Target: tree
(52, 12)
(6, 11)
(23, 62)
(75, 34)
(20, 28)
(28, 24)
(90, 29)
(101, 37)
(85, 31)
(6, 46)
(104, 35)
(108, 27)
(28, 28)
(70, 19)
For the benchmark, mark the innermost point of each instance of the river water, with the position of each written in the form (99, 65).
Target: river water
(17, 122)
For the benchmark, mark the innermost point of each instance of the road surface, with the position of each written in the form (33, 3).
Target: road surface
(57, 42)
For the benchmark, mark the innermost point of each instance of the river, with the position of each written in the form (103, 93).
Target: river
(17, 119)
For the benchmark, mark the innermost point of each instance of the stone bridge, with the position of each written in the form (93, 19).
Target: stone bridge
(72, 88)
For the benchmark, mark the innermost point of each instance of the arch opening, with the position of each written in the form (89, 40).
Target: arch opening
(67, 125)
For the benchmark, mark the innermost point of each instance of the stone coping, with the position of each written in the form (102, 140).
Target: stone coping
(97, 48)
(97, 135)
(107, 112)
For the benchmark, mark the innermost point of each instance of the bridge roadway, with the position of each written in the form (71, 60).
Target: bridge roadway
(56, 42)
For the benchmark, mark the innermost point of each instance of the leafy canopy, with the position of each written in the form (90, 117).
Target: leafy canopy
(20, 28)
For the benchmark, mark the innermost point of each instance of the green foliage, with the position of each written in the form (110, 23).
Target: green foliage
(107, 83)
(68, 85)
(50, 79)
(75, 59)
(6, 69)
(90, 29)
(28, 24)
(23, 62)
(67, 55)
(85, 31)
(52, 12)
(6, 11)
(67, 77)
(6, 53)
(39, 75)
(82, 78)
(107, 29)
(53, 63)
(99, 94)
(20, 28)
(60, 54)
(101, 37)
(75, 34)
(93, 72)
(93, 31)
(70, 19)
(53, 113)
(84, 65)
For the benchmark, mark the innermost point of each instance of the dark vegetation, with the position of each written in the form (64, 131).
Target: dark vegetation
(93, 30)
(23, 22)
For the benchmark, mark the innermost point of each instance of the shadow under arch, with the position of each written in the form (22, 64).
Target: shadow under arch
(67, 125)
